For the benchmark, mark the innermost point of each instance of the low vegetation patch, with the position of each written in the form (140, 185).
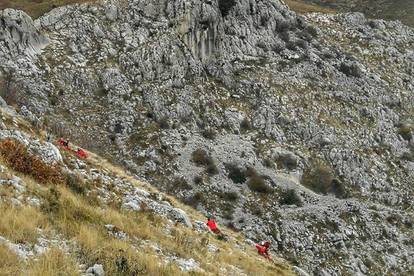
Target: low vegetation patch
(321, 179)
(257, 183)
(20, 224)
(201, 158)
(180, 183)
(290, 197)
(235, 173)
(76, 183)
(230, 196)
(245, 125)
(225, 6)
(405, 130)
(209, 133)
(18, 158)
(195, 199)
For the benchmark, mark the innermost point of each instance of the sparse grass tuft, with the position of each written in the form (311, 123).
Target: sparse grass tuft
(76, 183)
(54, 262)
(21, 224)
(10, 264)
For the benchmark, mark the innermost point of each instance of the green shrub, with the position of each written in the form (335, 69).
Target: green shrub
(209, 133)
(257, 183)
(225, 6)
(338, 189)
(319, 178)
(163, 123)
(230, 196)
(195, 199)
(180, 183)
(290, 197)
(212, 169)
(245, 125)
(198, 180)
(405, 131)
(201, 158)
(236, 174)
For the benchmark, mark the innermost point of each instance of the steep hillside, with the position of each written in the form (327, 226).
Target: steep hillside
(385, 9)
(61, 215)
(289, 128)
(36, 8)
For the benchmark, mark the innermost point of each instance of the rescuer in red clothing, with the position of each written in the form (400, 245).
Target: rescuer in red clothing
(212, 226)
(263, 249)
(81, 153)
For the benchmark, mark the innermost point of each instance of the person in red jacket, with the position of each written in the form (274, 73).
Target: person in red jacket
(263, 249)
(81, 153)
(212, 226)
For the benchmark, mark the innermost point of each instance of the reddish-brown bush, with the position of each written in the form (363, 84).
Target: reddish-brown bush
(17, 157)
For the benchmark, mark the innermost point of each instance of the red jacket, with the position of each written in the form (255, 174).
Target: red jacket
(212, 225)
(262, 250)
(81, 153)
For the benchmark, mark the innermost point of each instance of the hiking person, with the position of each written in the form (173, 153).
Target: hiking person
(61, 141)
(212, 226)
(263, 249)
(66, 143)
(81, 153)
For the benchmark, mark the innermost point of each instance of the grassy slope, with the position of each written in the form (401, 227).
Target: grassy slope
(80, 219)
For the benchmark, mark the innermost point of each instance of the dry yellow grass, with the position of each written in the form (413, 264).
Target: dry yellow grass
(10, 264)
(54, 262)
(20, 224)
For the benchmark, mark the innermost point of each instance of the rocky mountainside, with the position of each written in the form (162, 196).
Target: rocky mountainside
(386, 9)
(295, 129)
(65, 215)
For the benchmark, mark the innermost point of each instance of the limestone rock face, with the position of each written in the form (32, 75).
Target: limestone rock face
(320, 105)
(18, 35)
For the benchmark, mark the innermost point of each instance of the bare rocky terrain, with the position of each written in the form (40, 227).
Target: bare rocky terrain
(297, 129)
